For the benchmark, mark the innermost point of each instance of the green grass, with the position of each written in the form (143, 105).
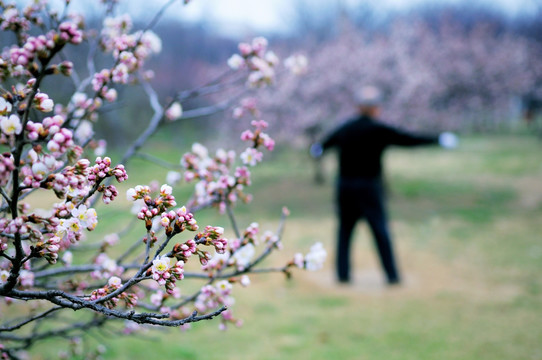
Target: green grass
(467, 225)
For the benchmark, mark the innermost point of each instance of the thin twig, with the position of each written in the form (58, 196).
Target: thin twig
(156, 160)
(5, 196)
(31, 319)
(232, 220)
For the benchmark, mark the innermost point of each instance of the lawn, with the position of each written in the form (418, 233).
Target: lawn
(468, 230)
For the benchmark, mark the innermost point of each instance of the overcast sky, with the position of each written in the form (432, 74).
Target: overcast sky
(275, 15)
(241, 16)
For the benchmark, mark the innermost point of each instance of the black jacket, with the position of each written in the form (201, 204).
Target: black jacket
(361, 143)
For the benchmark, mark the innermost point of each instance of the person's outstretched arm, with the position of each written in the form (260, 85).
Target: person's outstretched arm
(317, 149)
(403, 138)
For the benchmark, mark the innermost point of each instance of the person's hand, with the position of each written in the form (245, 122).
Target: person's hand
(316, 150)
(448, 140)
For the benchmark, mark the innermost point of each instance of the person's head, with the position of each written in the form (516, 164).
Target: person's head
(368, 101)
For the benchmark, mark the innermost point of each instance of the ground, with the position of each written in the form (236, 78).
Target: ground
(467, 226)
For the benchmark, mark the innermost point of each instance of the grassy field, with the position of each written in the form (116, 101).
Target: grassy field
(468, 230)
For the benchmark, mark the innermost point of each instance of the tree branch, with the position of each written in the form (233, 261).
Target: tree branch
(31, 319)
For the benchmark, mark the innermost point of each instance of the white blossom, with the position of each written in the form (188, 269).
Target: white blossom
(244, 255)
(314, 260)
(10, 125)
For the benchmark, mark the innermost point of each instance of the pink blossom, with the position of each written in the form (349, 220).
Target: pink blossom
(43, 102)
(65, 68)
(174, 112)
(238, 113)
(157, 298)
(26, 278)
(110, 95)
(111, 239)
(259, 46)
(245, 49)
(247, 135)
(173, 177)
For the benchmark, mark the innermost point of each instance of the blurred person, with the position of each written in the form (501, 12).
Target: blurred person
(361, 142)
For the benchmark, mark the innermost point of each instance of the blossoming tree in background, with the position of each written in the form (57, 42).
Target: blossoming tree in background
(433, 77)
(45, 266)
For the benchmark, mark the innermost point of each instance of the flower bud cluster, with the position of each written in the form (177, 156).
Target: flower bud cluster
(153, 207)
(65, 68)
(129, 50)
(114, 284)
(49, 126)
(213, 235)
(36, 50)
(49, 249)
(71, 182)
(211, 297)
(61, 142)
(185, 250)
(3, 244)
(34, 47)
(39, 231)
(100, 170)
(100, 79)
(6, 167)
(259, 62)
(43, 102)
(109, 193)
(257, 136)
(69, 33)
(166, 271)
(14, 226)
(199, 165)
(11, 19)
(177, 221)
(216, 185)
(251, 156)
(247, 106)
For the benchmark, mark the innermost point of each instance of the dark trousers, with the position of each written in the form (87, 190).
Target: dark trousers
(363, 199)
